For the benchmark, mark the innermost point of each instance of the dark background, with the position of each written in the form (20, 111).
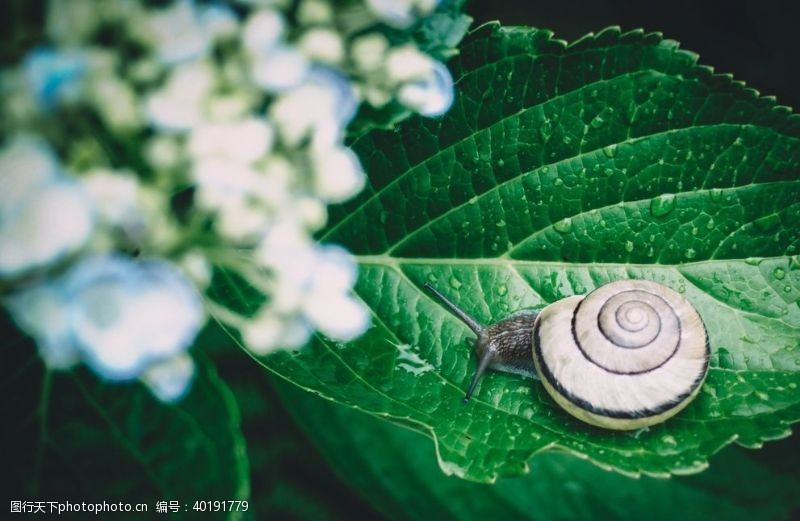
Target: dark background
(755, 40)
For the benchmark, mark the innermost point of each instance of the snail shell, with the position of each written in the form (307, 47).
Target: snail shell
(628, 355)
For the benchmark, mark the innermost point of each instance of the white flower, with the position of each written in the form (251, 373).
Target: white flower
(401, 13)
(197, 267)
(337, 174)
(407, 63)
(369, 51)
(431, 96)
(222, 183)
(162, 151)
(246, 140)
(126, 314)
(397, 13)
(318, 110)
(124, 205)
(183, 32)
(178, 105)
(323, 45)
(263, 30)
(267, 332)
(288, 252)
(26, 164)
(44, 215)
(42, 311)
(219, 20)
(314, 12)
(328, 305)
(279, 69)
(116, 102)
(169, 380)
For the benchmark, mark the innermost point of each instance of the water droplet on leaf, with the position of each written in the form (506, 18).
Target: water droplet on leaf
(662, 205)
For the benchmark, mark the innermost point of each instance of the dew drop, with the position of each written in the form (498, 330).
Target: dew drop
(384, 216)
(563, 226)
(454, 282)
(715, 194)
(608, 172)
(432, 277)
(753, 261)
(502, 289)
(629, 246)
(546, 130)
(610, 150)
(662, 205)
(779, 273)
(501, 163)
(787, 289)
(690, 253)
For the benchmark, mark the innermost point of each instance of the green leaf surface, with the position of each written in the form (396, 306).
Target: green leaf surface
(561, 168)
(395, 469)
(69, 436)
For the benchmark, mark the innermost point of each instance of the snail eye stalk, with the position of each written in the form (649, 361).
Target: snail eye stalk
(468, 320)
(476, 328)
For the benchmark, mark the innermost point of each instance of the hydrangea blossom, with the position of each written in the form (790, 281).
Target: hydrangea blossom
(119, 315)
(44, 214)
(222, 145)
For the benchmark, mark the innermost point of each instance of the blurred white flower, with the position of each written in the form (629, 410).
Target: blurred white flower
(116, 102)
(178, 105)
(196, 266)
(267, 332)
(407, 63)
(328, 305)
(322, 45)
(401, 13)
(280, 69)
(240, 114)
(42, 311)
(163, 152)
(317, 110)
(126, 314)
(314, 12)
(431, 96)
(44, 215)
(129, 212)
(397, 13)
(183, 31)
(169, 380)
(246, 140)
(337, 174)
(263, 30)
(369, 52)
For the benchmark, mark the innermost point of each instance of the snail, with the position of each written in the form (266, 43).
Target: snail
(628, 355)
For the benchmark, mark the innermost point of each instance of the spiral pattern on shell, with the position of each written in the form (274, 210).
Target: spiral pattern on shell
(628, 355)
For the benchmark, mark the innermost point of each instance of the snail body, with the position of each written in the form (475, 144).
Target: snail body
(628, 355)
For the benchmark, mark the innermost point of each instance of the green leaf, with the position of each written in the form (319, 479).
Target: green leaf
(70, 436)
(395, 469)
(561, 168)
